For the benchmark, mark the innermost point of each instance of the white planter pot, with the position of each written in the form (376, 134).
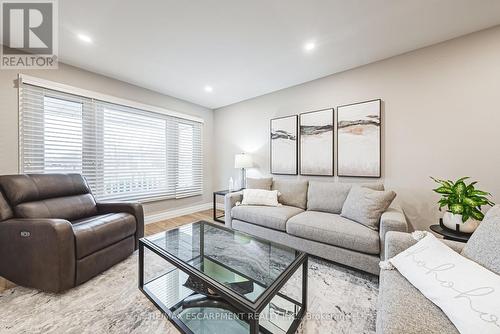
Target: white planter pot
(454, 222)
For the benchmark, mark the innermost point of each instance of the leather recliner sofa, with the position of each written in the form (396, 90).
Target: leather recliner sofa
(53, 234)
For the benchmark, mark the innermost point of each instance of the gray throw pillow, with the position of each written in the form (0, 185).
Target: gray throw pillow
(483, 246)
(327, 196)
(259, 183)
(292, 192)
(365, 205)
(330, 196)
(373, 186)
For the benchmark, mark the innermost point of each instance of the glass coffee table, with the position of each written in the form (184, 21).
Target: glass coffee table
(210, 279)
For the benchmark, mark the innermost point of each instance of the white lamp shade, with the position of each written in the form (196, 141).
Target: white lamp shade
(242, 161)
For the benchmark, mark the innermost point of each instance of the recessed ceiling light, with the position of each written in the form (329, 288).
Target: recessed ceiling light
(209, 89)
(309, 46)
(84, 38)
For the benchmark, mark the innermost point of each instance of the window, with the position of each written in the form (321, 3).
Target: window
(188, 164)
(125, 153)
(62, 140)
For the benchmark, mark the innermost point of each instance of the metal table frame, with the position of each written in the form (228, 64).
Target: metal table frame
(252, 309)
(221, 193)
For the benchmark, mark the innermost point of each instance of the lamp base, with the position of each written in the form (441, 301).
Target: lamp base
(243, 178)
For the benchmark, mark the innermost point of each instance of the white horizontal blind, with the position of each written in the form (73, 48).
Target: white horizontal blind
(125, 153)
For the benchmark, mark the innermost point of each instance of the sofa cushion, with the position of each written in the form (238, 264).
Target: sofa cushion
(293, 192)
(98, 232)
(334, 230)
(373, 186)
(327, 196)
(403, 309)
(35, 187)
(330, 196)
(267, 216)
(68, 207)
(5, 210)
(483, 246)
(259, 183)
(365, 206)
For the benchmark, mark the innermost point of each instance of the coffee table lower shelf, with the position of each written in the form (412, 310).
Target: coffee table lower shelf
(190, 315)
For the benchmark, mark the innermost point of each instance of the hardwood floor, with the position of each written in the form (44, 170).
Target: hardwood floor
(168, 224)
(152, 228)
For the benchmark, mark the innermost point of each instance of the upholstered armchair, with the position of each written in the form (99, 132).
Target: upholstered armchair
(53, 234)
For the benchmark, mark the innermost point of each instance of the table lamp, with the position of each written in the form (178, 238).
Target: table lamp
(242, 161)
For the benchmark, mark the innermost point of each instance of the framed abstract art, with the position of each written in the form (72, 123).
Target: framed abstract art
(359, 139)
(284, 145)
(316, 142)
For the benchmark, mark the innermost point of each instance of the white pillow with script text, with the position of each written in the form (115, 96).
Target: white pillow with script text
(468, 293)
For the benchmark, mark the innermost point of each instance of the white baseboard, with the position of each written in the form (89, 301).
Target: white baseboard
(168, 214)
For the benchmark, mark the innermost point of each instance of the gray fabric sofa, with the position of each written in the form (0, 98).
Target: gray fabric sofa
(309, 220)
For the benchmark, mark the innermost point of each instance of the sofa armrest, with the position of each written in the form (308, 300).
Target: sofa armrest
(396, 242)
(38, 253)
(132, 208)
(393, 219)
(229, 203)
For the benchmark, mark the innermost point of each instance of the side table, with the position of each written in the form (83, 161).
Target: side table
(449, 234)
(221, 193)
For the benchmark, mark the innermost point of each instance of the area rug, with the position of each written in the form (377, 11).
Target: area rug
(339, 301)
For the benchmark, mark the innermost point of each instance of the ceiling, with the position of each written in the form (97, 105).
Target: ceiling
(247, 48)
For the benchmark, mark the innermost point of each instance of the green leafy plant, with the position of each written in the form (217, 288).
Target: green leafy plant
(462, 198)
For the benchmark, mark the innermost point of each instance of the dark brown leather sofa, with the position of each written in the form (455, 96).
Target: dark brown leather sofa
(53, 234)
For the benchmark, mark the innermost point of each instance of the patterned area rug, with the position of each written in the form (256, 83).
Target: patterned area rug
(339, 301)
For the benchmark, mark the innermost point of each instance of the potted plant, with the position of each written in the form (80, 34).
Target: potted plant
(463, 203)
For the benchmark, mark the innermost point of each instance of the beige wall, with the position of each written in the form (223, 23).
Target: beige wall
(87, 80)
(441, 117)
